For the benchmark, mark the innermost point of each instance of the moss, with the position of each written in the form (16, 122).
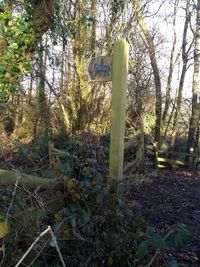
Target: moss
(32, 182)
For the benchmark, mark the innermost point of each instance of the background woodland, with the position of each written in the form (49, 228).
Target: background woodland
(55, 126)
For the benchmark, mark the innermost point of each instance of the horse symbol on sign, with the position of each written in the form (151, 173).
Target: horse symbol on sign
(100, 69)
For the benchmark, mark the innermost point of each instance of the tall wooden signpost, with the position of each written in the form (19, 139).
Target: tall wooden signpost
(116, 69)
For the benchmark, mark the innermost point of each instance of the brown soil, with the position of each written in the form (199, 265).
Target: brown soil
(170, 197)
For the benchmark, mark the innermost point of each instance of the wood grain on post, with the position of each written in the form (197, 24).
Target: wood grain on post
(118, 106)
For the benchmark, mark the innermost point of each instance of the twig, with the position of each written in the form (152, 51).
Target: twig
(37, 239)
(31, 247)
(38, 253)
(13, 196)
(157, 251)
(56, 245)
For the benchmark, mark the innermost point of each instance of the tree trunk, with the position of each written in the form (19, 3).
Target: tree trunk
(43, 108)
(79, 46)
(30, 181)
(152, 55)
(62, 101)
(185, 55)
(83, 45)
(194, 120)
(171, 68)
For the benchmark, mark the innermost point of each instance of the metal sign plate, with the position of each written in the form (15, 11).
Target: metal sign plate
(100, 69)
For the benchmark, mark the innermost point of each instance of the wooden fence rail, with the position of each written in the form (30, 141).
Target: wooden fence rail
(165, 157)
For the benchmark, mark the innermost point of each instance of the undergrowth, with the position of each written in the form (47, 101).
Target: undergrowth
(96, 226)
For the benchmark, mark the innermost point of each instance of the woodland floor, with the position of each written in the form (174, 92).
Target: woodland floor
(169, 197)
(162, 197)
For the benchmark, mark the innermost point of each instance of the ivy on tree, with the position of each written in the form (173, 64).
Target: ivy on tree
(17, 35)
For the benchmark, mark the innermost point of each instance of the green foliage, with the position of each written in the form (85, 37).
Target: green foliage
(88, 219)
(97, 226)
(34, 150)
(183, 236)
(88, 157)
(2, 217)
(148, 121)
(33, 158)
(142, 250)
(177, 235)
(173, 263)
(16, 35)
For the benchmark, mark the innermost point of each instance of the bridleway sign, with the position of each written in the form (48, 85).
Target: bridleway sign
(114, 69)
(100, 69)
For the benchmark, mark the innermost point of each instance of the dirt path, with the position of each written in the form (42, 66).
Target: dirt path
(170, 197)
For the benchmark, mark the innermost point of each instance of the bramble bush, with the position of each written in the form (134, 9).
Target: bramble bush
(97, 225)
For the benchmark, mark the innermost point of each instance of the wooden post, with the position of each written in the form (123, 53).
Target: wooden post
(118, 106)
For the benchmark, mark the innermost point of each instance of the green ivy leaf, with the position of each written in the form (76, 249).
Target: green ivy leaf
(86, 217)
(182, 238)
(78, 235)
(142, 250)
(73, 222)
(150, 231)
(157, 242)
(173, 263)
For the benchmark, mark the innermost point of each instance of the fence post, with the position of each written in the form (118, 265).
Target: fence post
(118, 106)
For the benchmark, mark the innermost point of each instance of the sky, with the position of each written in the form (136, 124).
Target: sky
(163, 21)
